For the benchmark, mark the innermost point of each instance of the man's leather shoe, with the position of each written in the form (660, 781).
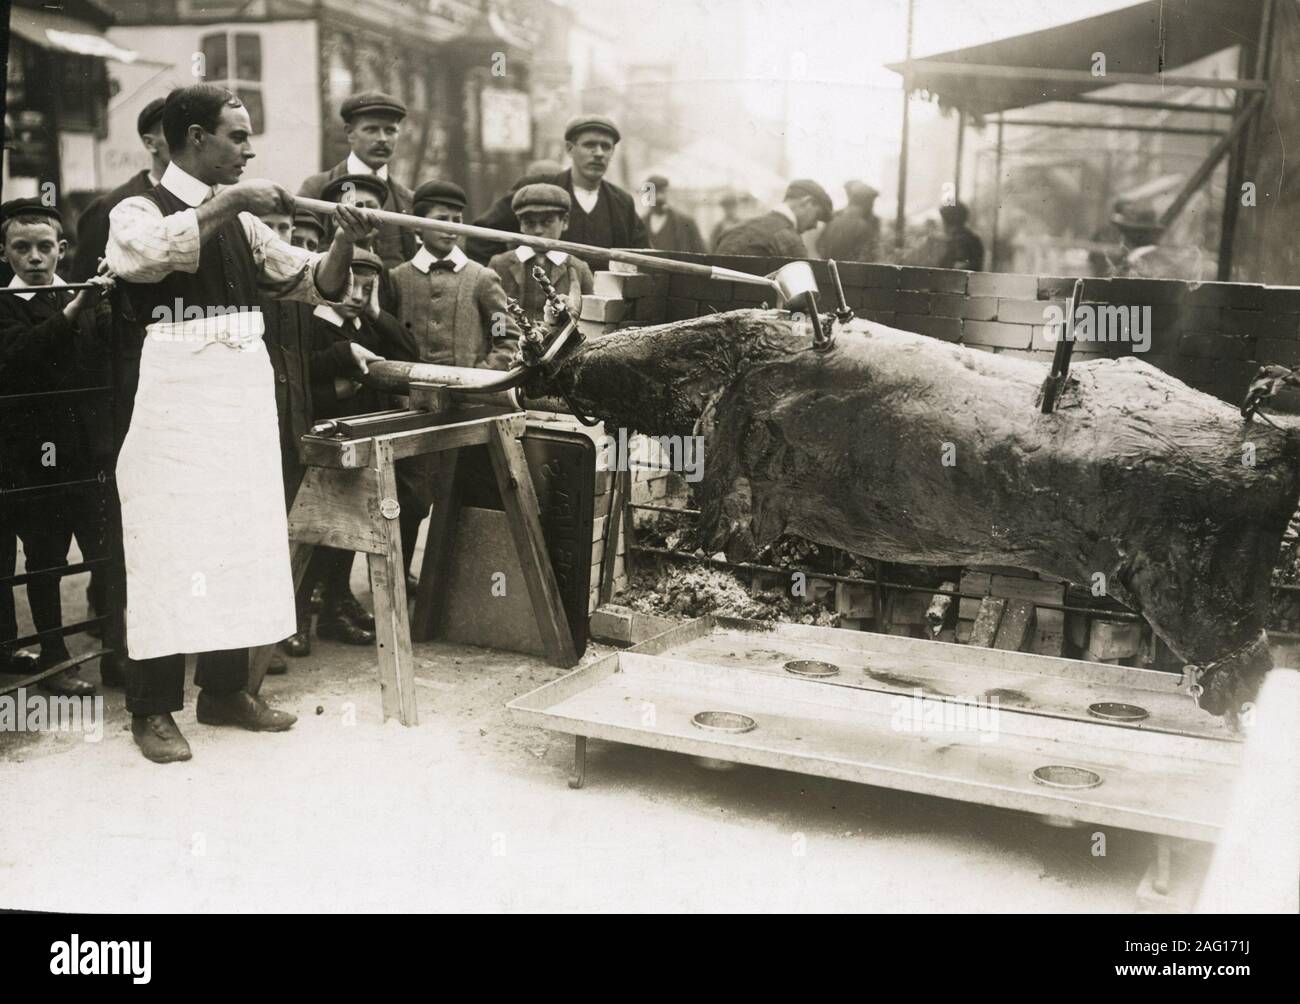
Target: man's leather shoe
(20, 663)
(339, 628)
(297, 644)
(67, 684)
(159, 738)
(112, 670)
(351, 609)
(243, 709)
(277, 666)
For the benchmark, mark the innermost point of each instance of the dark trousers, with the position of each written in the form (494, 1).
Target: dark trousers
(46, 530)
(157, 686)
(332, 568)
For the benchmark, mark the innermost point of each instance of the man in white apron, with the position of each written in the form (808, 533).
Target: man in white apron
(204, 530)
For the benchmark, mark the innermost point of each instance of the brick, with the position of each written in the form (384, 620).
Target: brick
(592, 329)
(886, 317)
(977, 308)
(677, 309)
(1029, 355)
(752, 294)
(1284, 352)
(1281, 299)
(978, 334)
(880, 276)
(1247, 296)
(692, 287)
(1017, 623)
(1049, 632)
(1035, 590)
(1258, 323)
(964, 629)
(936, 280)
(1028, 311)
(1059, 287)
(976, 582)
(603, 308)
(946, 328)
(987, 620)
(1002, 284)
(968, 609)
(622, 266)
(1141, 291)
(650, 309)
(900, 301)
(1211, 345)
(624, 285)
(1114, 639)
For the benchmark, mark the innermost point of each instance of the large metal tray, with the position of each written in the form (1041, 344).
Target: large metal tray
(878, 720)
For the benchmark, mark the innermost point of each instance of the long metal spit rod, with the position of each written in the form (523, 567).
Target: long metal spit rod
(651, 262)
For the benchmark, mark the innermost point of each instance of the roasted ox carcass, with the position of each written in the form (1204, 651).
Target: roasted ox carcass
(905, 448)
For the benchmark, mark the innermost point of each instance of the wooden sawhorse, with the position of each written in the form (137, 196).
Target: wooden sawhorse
(348, 500)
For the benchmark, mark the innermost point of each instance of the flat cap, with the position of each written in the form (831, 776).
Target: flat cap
(306, 218)
(333, 191)
(371, 103)
(804, 186)
(443, 193)
(581, 123)
(150, 115)
(541, 198)
(29, 207)
(366, 261)
(859, 191)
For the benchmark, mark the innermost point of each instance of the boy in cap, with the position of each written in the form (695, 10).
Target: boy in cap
(776, 234)
(542, 211)
(345, 338)
(50, 341)
(308, 230)
(367, 191)
(372, 122)
(455, 310)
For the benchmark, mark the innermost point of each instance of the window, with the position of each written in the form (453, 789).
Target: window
(233, 59)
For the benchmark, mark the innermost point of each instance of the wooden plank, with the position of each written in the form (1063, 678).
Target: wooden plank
(987, 621)
(520, 503)
(1015, 627)
(439, 547)
(338, 508)
(613, 529)
(388, 586)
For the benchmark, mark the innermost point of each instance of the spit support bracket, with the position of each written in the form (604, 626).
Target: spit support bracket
(1057, 379)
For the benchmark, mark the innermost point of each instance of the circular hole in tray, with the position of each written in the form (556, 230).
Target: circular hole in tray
(812, 667)
(1115, 711)
(724, 721)
(1061, 776)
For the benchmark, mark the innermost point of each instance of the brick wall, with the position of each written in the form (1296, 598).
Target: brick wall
(1213, 336)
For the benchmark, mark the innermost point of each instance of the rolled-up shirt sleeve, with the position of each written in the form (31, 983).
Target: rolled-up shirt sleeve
(146, 246)
(288, 272)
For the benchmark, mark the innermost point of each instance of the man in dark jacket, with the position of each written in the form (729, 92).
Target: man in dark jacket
(853, 234)
(92, 227)
(501, 216)
(776, 234)
(962, 247)
(374, 123)
(603, 214)
(668, 228)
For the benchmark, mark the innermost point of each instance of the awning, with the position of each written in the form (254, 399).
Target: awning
(1056, 64)
(65, 34)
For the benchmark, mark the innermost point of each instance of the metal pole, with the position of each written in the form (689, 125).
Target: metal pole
(997, 198)
(901, 214)
(961, 140)
(646, 261)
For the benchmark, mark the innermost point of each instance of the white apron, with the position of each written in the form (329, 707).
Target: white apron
(203, 522)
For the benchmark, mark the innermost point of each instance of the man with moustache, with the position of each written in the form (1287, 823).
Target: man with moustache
(373, 122)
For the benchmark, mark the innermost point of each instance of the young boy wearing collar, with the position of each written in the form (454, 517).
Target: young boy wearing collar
(542, 211)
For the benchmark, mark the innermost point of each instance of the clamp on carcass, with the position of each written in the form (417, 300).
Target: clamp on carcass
(1056, 380)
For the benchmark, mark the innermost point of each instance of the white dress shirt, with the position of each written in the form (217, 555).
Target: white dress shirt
(587, 198)
(526, 254)
(17, 283)
(425, 258)
(358, 166)
(145, 246)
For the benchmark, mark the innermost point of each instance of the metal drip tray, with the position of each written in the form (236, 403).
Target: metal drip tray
(724, 721)
(1117, 711)
(1061, 776)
